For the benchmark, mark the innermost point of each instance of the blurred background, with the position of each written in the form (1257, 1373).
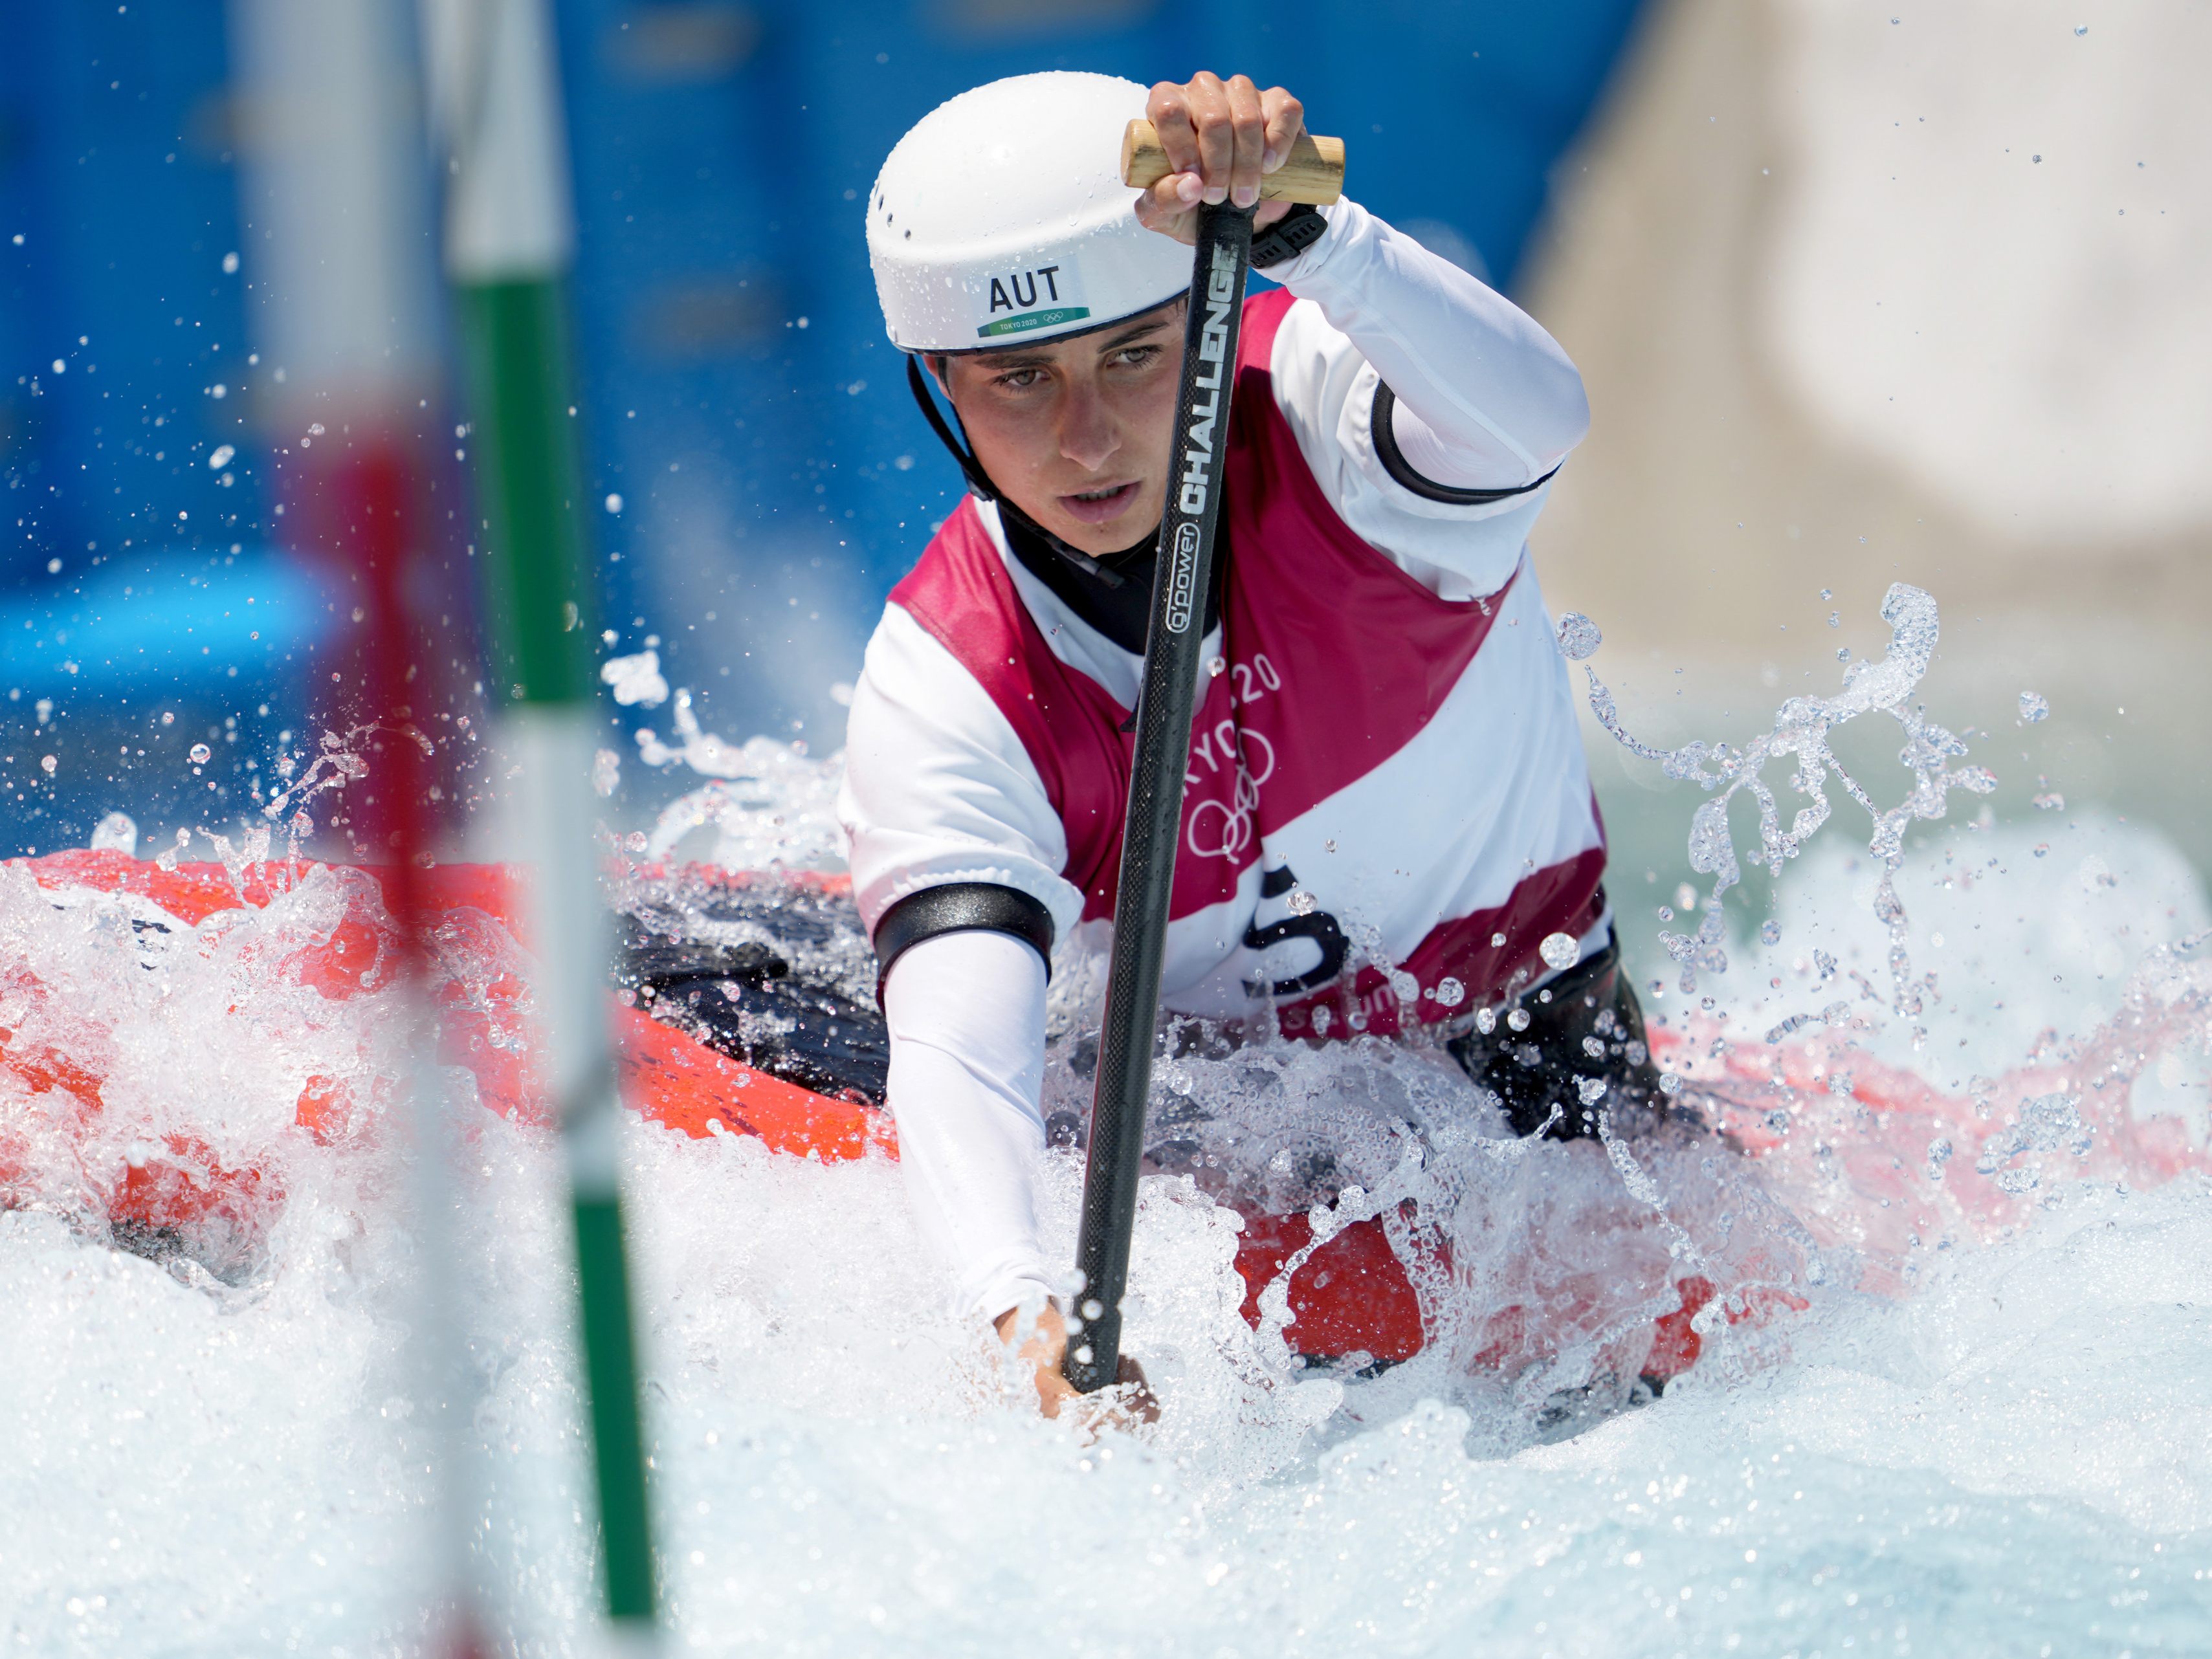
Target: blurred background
(1861, 293)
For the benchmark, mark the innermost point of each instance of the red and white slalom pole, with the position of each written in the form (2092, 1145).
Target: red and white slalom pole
(352, 396)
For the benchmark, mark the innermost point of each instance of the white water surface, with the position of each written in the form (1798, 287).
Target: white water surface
(1985, 1433)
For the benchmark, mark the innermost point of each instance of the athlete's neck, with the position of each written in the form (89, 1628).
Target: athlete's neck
(1121, 612)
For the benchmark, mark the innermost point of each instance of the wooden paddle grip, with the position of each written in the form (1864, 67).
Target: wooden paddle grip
(1313, 172)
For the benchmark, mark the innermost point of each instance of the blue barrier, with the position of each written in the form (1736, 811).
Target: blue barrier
(176, 622)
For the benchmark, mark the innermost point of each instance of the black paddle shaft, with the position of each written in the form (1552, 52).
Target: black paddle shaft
(1181, 583)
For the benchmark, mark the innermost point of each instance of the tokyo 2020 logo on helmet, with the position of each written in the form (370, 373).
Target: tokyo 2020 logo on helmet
(1001, 218)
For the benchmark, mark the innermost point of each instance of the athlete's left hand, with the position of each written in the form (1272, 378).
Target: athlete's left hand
(1222, 137)
(1128, 1403)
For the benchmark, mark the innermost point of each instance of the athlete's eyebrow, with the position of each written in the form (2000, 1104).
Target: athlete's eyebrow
(1129, 337)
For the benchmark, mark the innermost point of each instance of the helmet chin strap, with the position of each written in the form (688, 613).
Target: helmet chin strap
(979, 482)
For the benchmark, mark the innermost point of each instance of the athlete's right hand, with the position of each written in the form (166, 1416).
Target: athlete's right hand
(1222, 137)
(1129, 1402)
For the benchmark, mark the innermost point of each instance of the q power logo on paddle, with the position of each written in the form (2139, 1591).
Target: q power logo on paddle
(1198, 456)
(1183, 577)
(1018, 294)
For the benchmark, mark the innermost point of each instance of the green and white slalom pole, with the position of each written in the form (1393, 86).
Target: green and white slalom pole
(509, 243)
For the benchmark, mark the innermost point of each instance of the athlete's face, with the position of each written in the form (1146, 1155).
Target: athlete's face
(1078, 432)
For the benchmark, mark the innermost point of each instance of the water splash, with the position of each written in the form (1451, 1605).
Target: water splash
(1802, 727)
(637, 679)
(771, 803)
(2044, 1125)
(896, 1481)
(1579, 637)
(338, 761)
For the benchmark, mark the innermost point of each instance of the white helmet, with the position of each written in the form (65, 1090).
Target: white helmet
(1001, 217)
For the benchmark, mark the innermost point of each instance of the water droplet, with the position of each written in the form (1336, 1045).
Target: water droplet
(2080, 28)
(1579, 637)
(614, 501)
(117, 832)
(1768, 933)
(2032, 708)
(46, 764)
(1519, 1019)
(1835, 619)
(1828, 593)
(1591, 1089)
(2053, 802)
(221, 458)
(1303, 902)
(201, 754)
(1560, 949)
(1485, 1020)
(1686, 897)
(1450, 993)
(1497, 941)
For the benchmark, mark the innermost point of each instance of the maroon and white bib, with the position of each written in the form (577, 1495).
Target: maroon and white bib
(1374, 770)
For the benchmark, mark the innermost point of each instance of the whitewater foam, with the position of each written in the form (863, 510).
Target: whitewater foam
(1982, 1432)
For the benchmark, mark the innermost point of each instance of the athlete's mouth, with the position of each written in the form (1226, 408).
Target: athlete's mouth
(1098, 506)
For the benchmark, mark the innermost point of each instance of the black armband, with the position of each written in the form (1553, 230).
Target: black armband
(960, 907)
(1395, 463)
(1289, 236)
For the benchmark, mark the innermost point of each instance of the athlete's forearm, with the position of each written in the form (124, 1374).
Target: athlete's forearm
(966, 1013)
(1486, 399)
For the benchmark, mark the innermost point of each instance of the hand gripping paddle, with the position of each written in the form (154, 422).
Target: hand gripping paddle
(1313, 172)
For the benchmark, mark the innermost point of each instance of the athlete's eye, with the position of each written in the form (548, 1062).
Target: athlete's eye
(1018, 380)
(1135, 357)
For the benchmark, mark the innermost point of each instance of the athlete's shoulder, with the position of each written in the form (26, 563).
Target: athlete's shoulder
(960, 593)
(963, 599)
(960, 560)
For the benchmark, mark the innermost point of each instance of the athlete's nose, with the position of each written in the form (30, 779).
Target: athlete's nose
(1087, 432)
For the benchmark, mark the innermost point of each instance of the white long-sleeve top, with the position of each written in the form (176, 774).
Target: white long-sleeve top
(952, 776)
